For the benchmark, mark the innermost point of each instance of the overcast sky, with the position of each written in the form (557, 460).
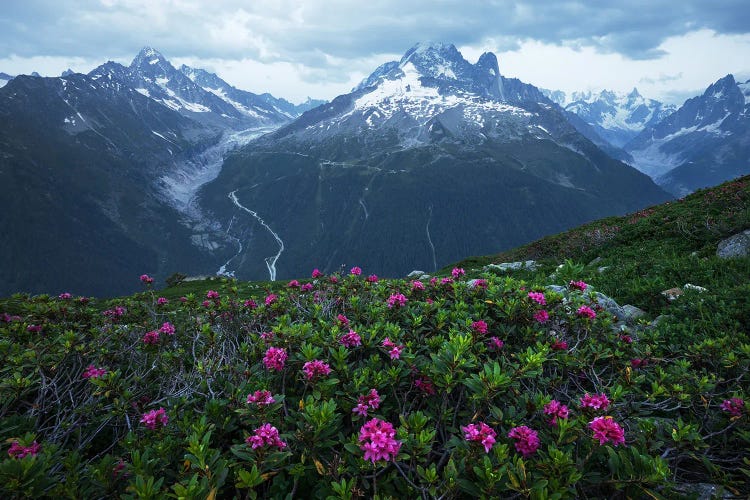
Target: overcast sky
(670, 50)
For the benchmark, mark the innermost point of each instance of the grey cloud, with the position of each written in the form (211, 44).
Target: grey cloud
(304, 32)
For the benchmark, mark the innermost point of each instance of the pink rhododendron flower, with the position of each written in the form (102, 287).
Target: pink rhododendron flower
(606, 430)
(260, 398)
(559, 345)
(446, 281)
(638, 363)
(627, 339)
(167, 328)
(212, 294)
(433, 281)
(343, 320)
(265, 435)
(527, 440)
(597, 401)
(538, 297)
(207, 303)
(275, 358)
(425, 385)
(397, 299)
(307, 287)
(541, 316)
(373, 278)
(480, 283)
(556, 410)
(93, 372)
(356, 271)
(316, 368)
(351, 339)
(377, 440)
(364, 403)
(155, 417)
(417, 285)
(183, 299)
(578, 285)
(151, 337)
(34, 328)
(146, 279)
(116, 312)
(495, 344)
(266, 336)
(394, 350)
(734, 406)
(293, 284)
(17, 451)
(480, 433)
(161, 301)
(250, 304)
(316, 273)
(270, 299)
(586, 311)
(65, 296)
(479, 326)
(457, 272)
(334, 279)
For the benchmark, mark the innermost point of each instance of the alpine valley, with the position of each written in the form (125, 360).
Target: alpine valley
(154, 169)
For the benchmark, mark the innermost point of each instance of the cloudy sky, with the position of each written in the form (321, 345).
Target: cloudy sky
(669, 49)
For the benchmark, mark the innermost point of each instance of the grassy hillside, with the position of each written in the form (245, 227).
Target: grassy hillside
(444, 388)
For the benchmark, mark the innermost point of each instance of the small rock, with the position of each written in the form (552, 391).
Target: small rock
(632, 313)
(737, 245)
(672, 293)
(699, 289)
(531, 265)
(415, 273)
(611, 306)
(601, 269)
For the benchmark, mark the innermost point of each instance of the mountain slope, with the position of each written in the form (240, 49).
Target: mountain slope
(429, 159)
(703, 143)
(79, 161)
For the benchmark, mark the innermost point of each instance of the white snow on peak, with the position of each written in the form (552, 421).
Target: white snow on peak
(154, 60)
(143, 91)
(162, 80)
(745, 89)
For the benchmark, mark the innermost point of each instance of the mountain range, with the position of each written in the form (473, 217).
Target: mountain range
(157, 169)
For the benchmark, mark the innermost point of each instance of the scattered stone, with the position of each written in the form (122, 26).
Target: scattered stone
(531, 265)
(609, 304)
(699, 289)
(415, 274)
(737, 245)
(632, 313)
(672, 293)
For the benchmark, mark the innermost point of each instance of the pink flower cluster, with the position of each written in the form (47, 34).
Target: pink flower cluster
(495, 344)
(167, 328)
(606, 430)
(265, 435)
(377, 440)
(316, 273)
(480, 283)
(65, 296)
(115, 313)
(270, 299)
(527, 440)
(559, 345)
(394, 350)
(457, 272)
(364, 403)
(250, 303)
(356, 271)
(275, 358)
(425, 385)
(733, 406)
(586, 311)
(479, 326)
(316, 368)
(146, 279)
(155, 417)
(597, 401)
(307, 287)
(417, 285)
(18, 451)
(541, 316)
(556, 410)
(162, 301)
(93, 372)
(538, 297)
(260, 398)
(151, 338)
(293, 284)
(480, 433)
(397, 299)
(373, 278)
(343, 320)
(351, 339)
(34, 328)
(578, 285)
